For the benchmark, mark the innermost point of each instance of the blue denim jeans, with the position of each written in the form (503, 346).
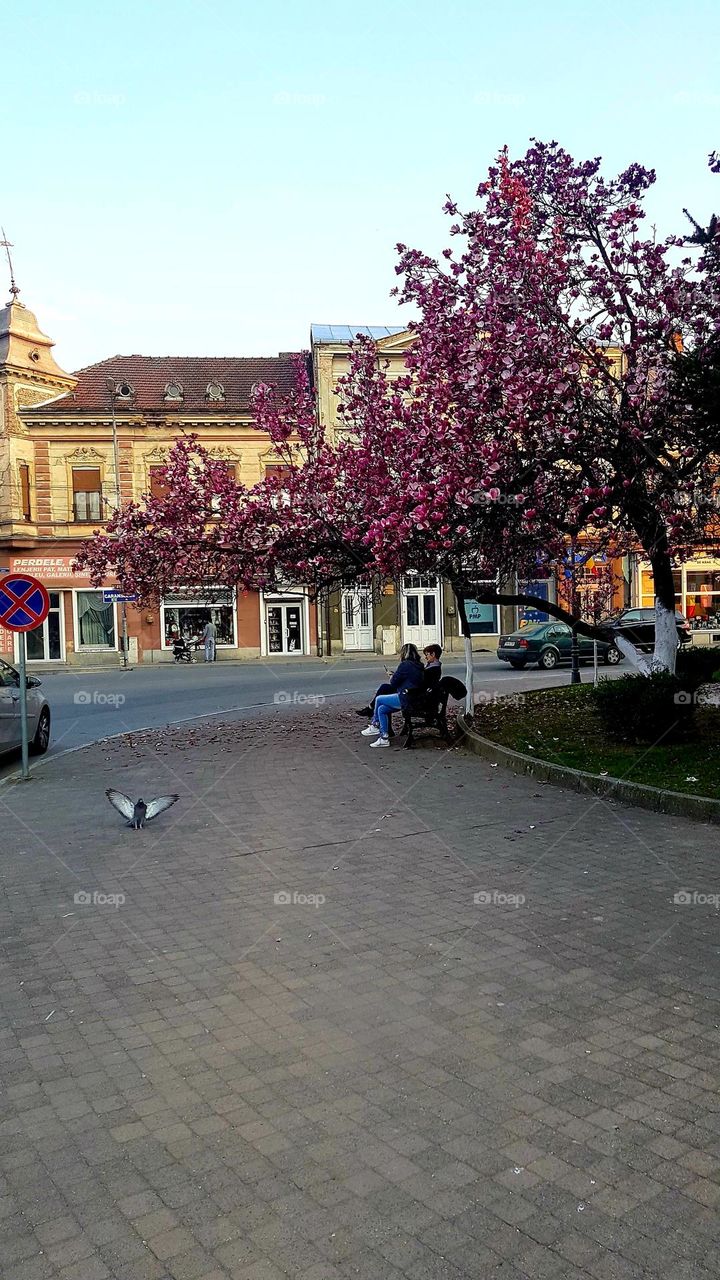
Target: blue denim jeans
(385, 704)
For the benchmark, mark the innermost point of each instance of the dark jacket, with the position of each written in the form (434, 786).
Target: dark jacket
(432, 675)
(409, 675)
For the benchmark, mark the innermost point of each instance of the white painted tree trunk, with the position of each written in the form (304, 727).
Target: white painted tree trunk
(666, 638)
(666, 644)
(640, 661)
(469, 677)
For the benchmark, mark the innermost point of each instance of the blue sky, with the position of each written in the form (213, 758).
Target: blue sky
(210, 176)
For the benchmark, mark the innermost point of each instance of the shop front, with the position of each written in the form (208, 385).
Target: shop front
(185, 614)
(285, 624)
(697, 594)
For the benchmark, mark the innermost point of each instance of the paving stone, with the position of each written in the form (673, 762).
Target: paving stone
(400, 1083)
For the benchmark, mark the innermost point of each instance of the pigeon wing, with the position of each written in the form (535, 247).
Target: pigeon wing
(159, 805)
(121, 802)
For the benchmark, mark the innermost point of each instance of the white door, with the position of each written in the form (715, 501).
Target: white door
(421, 614)
(285, 628)
(46, 643)
(357, 619)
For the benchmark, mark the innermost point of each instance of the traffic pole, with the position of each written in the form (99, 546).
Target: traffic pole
(23, 708)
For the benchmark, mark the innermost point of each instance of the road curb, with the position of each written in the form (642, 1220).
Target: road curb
(674, 803)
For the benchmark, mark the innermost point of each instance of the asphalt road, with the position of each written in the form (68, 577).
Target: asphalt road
(90, 705)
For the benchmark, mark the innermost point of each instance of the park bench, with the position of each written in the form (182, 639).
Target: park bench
(427, 708)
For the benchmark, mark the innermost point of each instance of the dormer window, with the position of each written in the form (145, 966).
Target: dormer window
(123, 391)
(174, 393)
(215, 392)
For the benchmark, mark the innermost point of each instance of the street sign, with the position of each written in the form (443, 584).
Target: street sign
(117, 597)
(24, 605)
(24, 602)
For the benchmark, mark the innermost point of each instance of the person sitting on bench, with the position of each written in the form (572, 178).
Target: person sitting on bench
(409, 675)
(432, 673)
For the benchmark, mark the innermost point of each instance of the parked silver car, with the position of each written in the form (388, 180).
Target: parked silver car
(38, 712)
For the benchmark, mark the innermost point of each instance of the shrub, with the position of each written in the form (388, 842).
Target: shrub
(650, 709)
(697, 665)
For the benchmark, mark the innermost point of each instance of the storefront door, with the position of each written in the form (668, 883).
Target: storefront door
(421, 616)
(357, 620)
(45, 643)
(284, 628)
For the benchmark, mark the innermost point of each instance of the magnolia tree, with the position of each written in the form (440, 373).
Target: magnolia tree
(547, 399)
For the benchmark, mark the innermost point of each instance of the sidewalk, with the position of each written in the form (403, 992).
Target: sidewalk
(381, 1077)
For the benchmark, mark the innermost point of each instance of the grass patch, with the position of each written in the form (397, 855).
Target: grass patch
(563, 727)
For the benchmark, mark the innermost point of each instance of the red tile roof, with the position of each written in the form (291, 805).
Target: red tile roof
(149, 376)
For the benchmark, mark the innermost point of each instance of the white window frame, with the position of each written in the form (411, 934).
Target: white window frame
(92, 648)
(200, 602)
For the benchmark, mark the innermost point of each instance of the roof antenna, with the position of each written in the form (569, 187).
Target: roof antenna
(6, 245)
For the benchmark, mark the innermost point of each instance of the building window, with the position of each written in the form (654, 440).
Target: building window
(215, 391)
(95, 621)
(24, 470)
(173, 392)
(158, 484)
(279, 472)
(215, 500)
(123, 390)
(87, 493)
(185, 613)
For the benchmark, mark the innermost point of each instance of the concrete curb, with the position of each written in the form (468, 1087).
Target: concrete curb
(676, 803)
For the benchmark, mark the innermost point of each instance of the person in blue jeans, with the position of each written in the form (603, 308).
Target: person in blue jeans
(408, 675)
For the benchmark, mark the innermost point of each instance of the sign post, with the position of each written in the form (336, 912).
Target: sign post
(24, 605)
(23, 709)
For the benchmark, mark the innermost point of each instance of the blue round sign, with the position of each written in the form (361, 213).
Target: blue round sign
(24, 602)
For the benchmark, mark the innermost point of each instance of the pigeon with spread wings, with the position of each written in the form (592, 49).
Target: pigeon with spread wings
(138, 813)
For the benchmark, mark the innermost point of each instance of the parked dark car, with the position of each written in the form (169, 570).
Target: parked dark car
(548, 644)
(638, 626)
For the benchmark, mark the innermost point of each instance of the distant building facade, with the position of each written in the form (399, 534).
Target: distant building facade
(57, 459)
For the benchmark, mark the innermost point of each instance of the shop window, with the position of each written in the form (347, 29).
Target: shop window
(702, 598)
(24, 471)
(186, 612)
(96, 621)
(158, 485)
(647, 589)
(87, 493)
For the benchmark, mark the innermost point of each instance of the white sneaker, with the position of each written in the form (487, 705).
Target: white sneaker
(372, 731)
(381, 742)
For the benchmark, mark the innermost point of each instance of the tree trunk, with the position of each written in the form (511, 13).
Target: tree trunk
(666, 637)
(469, 667)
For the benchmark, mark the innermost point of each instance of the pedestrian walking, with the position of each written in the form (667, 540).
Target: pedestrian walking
(209, 639)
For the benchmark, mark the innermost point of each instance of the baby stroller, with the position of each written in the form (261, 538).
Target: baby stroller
(182, 651)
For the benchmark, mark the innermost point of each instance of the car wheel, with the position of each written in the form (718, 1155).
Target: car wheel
(41, 741)
(613, 656)
(548, 659)
(518, 666)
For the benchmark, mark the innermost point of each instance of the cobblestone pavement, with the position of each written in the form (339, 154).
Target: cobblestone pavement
(380, 1078)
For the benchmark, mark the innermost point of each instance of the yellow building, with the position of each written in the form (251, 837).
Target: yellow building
(58, 462)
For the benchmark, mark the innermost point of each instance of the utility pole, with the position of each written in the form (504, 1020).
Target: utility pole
(116, 457)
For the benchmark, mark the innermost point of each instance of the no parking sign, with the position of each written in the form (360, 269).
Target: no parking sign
(24, 605)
